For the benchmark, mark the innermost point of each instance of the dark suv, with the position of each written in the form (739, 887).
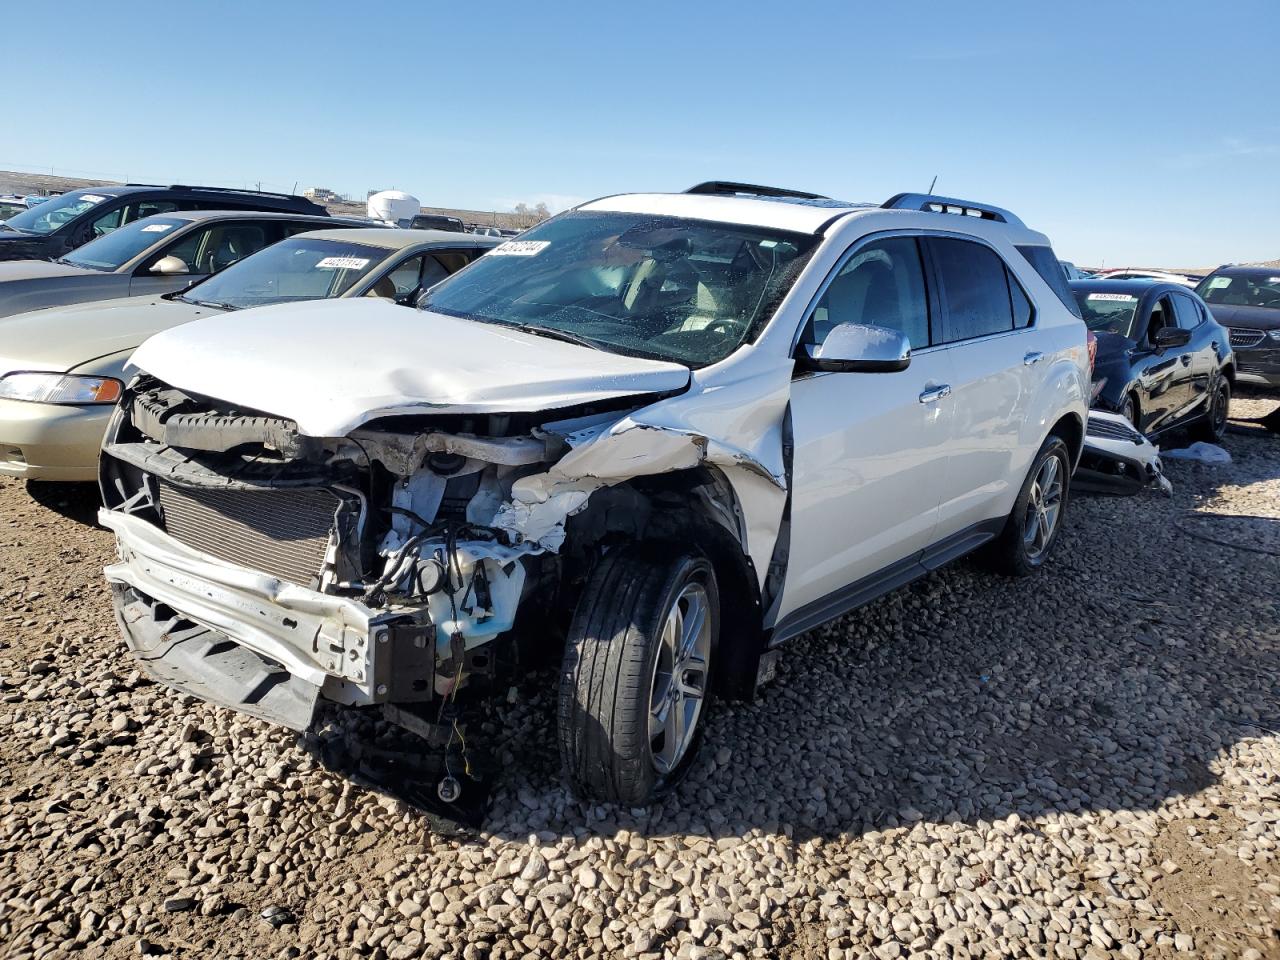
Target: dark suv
(63, 223)
(1246, 300)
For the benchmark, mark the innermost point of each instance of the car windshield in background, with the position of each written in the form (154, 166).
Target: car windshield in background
(1108, 312)
(301, 268)
(8, 210)
(52, 214)
(123, 244)
(1242, 291)
(650, 286)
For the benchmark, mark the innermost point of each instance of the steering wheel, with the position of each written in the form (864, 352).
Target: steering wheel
(727, 326)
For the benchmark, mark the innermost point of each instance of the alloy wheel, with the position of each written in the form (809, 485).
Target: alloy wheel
(1044, 507)
(679, 684)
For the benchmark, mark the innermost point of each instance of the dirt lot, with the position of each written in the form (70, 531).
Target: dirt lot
(1082, 764)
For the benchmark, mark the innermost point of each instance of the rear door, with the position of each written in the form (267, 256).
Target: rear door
(870, 449)
(1200, 355)
(987, 324)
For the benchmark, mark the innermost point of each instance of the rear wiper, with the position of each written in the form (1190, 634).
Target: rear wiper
(555, 333)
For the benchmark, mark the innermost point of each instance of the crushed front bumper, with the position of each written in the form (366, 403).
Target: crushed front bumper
(250, 641)
(1117, 459)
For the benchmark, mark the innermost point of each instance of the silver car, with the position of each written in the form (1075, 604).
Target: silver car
(154, 255)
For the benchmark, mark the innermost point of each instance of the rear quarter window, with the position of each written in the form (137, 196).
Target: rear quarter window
(1045, 262)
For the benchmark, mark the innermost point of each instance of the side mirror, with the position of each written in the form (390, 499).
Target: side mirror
(170, 266)
(858, 348)
(1171, 337)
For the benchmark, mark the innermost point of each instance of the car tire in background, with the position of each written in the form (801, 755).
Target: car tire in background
(635, 680)
(1033, 525)
(1212, 427)
(1129, 410)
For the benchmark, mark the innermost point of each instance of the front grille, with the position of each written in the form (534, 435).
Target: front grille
(1112, 430)
(1244, 337)
(283, 533)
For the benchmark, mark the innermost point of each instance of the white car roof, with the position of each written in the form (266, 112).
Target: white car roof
(797, 215)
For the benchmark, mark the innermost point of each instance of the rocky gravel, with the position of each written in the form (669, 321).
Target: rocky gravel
(1082, 764)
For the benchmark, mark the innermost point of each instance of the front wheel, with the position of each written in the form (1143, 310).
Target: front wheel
(636, 678)
(1212, 427)
(1032, 527)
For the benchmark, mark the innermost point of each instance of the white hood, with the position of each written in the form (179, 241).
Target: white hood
(333, 365)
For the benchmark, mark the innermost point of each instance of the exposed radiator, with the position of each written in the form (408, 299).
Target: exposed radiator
(283, 533)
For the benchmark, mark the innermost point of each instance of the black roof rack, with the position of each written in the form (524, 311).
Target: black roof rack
(931, 203)
(727, 188)
(187, 186)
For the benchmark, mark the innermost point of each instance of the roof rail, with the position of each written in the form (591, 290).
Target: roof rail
(931, 203)
(188, 186)
(729, 188)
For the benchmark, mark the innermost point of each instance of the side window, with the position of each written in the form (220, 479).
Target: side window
(881, 285)
(101, 226)
(1051, 272)
(402, 280)
(1161, 317)
(148, 208)
(974, 289)
(218, 246)
(1188, 312)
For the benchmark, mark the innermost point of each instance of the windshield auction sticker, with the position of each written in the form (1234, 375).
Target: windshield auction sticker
(1117, 297)
(157, 227)
(91, 198)
(520, 248)
(343, 263)
(1217, 283)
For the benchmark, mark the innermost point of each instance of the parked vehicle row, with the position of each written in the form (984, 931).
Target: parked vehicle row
(655, 436)
(61, 370)
(1246, 300)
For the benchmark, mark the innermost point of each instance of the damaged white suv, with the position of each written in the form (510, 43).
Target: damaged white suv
(666, 432)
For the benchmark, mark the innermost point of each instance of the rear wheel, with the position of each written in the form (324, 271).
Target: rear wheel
(636, 679)
(1032, 528)
(1212, 427)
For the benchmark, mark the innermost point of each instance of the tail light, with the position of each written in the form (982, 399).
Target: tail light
(1093, 352)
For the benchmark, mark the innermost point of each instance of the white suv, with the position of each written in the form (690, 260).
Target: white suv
(657, 436)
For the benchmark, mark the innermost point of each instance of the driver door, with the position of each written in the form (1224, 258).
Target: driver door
(1166, 374)
(870, 449)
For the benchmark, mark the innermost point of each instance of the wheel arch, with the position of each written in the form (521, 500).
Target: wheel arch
(1071, 429)
(695, 507)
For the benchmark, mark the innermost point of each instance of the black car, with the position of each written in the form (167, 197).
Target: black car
(1246, 300)
(59, 225)
(437, 221)
(1163, 360)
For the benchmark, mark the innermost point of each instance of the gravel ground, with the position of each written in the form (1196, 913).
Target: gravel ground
(1082, 764)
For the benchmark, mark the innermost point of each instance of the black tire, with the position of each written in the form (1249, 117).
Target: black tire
(608, 675)
(1212, 427)
(1010, 553)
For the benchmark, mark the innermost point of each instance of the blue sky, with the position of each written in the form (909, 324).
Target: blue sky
(1135, 133)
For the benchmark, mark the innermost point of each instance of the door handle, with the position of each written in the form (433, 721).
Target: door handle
(1035, 356)
(934, 394)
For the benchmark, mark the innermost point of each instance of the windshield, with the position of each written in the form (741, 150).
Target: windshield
(300, 268)
(1108, 312)
(9, 209)
(54, 213)
(651, 286)
(1258, 290)
(123, 244)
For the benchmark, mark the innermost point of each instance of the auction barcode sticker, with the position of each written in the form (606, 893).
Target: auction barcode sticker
(1117, 297)
(1217, 283)
(157, 227)
(91, 198)
(343, 263)
(520, 248)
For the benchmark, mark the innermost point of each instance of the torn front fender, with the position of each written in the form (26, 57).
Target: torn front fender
(736, 426)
